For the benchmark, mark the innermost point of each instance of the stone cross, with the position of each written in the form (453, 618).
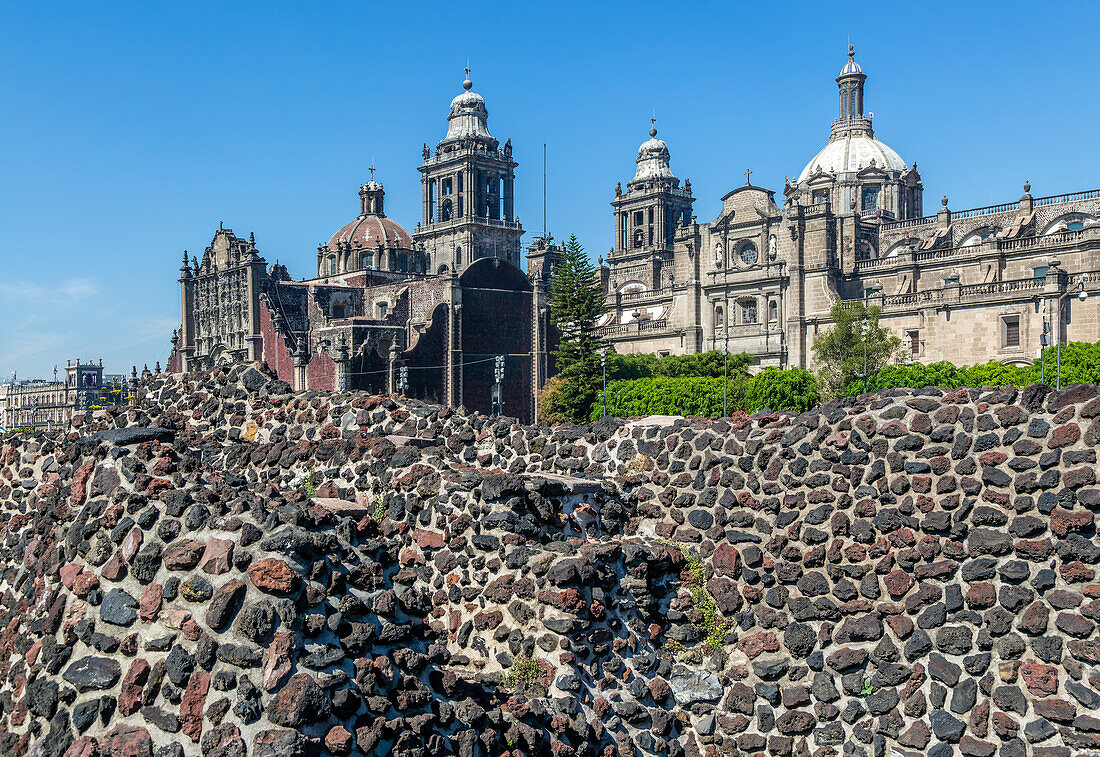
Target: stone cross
(748, 173)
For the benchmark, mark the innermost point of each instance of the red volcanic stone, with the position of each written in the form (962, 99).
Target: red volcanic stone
(279, 656)
(194, 697)
(85, 746)
(658, 689)
(1063, 522)
(80, 484)
(273, 576)
(1034, 620)
(217, 558)
(981, 595)
(726, 560)
(898, 583)
(69, 573)
(338, 740)
(283, 742)
(84, 583)
(158, 485)
(429, 539)
(759, 643)
(1064, 436)
(1076, 572)
(131, 544)
(183, 555)
(1041, 680)
(486, 620)
(127, 741)
(568, 600)
(992, 458)
(1078, 477)
(901, 625)
(114, 569)
(1058, 710)
(150, 602)
(129, 701)
(1035, 550)
(300, 702)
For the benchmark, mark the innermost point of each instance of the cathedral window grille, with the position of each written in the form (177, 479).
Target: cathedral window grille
(748, 255)
(870, 197)
(913, 337)
(748, 311)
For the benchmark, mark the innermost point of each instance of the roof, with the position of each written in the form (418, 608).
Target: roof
(370, 231)
(852, 152)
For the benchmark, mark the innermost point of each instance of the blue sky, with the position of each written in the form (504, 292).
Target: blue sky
(129, 130)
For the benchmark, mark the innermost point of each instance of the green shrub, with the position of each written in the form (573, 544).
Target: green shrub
(663, 395)
(790, 389)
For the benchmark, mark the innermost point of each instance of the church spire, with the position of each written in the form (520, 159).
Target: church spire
(850, 82)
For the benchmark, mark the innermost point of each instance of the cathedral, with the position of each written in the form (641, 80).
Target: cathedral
(389, 310)
(990, 283)
(446, 314)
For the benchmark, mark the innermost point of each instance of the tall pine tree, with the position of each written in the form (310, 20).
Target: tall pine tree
(576, 303)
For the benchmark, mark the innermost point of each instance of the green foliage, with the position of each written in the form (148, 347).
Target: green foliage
(790, 389)
(710, 623)
(839, 349)
(576, 303)
(525, 671)
(868, 688)
(710, 364)
(379, 511)
(662, 395)
(1080, 364)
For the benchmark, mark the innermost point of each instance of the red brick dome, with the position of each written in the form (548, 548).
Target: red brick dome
(370, 231)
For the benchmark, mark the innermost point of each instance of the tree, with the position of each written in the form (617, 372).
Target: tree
(576, 303)
(839, 349)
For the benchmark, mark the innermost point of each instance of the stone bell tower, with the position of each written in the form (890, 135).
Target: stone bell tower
(468, 194)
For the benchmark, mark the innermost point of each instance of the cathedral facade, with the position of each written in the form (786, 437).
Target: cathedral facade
(389, 310)
(762, 277)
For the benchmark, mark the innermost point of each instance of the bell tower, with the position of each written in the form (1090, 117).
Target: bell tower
(467, 185)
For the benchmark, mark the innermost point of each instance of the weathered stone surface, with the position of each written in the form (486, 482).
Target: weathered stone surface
(273, 576)
(91, 672)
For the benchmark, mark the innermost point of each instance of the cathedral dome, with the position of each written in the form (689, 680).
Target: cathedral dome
(850, 153)
(468, 116)
(653, 159)
(370, 231)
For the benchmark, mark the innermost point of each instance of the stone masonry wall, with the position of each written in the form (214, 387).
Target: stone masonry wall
(901, 574)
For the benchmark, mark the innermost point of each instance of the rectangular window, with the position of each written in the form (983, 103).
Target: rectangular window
(870, 198)
(639, 219)
(1011, 330)
(821, 196)
(446, 186)
(651, 215)
(914, 342)
(748, 311)
(1040, 271)
(383, 308)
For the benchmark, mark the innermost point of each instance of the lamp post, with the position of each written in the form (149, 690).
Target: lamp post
(864, 329)
(726, 331)
(1082, 280)
(1044, 340)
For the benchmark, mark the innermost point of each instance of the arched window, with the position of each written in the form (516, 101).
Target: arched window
(445, 211)
(331, 267)
(773, 311)
(639, 238)
(719, 317)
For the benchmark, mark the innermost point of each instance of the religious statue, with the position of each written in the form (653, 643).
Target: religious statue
(619, 189)
(508, 148)
(426, 151)
(719, 258)
(772, 247)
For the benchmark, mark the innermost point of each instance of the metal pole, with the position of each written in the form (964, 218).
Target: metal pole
(603, 364)
(1061, 305)
(726, 343)
(865, 329)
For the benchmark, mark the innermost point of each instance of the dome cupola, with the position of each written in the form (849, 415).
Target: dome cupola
(653, 159)
(468, 116)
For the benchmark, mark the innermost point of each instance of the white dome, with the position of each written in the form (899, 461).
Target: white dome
(850, 153)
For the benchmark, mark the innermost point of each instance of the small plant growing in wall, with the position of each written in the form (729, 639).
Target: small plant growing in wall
(379, 510)
(305, 481)
(710, 623)
(868, 688)
(525, 671)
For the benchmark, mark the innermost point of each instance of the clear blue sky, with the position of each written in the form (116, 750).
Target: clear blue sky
(129, 130)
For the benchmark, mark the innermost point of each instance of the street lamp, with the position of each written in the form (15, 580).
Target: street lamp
(603, 394)
(864, 329)
(1044, 341)
(1082, 295)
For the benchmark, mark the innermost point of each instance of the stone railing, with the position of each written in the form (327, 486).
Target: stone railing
(635, 328)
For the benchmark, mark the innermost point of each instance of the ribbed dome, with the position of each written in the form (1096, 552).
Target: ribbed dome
(468, 116)
(653, 159)
(851, 67)
(369, 231)
(852, 152)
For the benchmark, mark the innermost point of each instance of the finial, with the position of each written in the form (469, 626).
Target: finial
(372, 170)
(653, 126)
(1027, 186)
(944, 201)
(851, 51)
(252, 238)
(185, 257)
(467, 84)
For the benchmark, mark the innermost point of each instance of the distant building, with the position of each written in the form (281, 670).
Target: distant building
(965, 286)
(425, 314)
(42, 404)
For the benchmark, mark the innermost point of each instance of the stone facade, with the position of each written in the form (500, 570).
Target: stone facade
(51, 404)
(909, 573)
(424, 314)
(964, 286)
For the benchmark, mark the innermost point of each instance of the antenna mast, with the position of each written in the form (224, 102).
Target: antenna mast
(544, 192)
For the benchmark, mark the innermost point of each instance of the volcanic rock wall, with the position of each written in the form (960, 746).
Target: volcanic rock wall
(231, 569)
